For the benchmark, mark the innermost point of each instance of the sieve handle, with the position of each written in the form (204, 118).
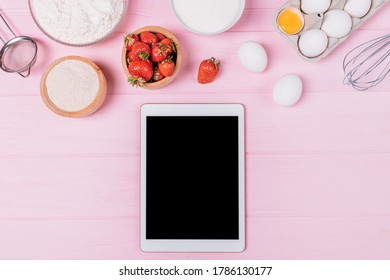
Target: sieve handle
(6, 23)
(27, 74)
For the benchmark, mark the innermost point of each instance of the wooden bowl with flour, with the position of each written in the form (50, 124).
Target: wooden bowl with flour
(73, 86)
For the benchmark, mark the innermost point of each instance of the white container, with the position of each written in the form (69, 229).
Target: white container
(208, 17)
(315, 21)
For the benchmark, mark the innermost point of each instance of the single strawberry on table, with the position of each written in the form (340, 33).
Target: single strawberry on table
(148, 38)
(141, 72)
(159, 52)
(167, 67)
(208, 70)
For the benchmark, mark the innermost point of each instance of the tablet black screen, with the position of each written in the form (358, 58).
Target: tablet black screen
(192, 177)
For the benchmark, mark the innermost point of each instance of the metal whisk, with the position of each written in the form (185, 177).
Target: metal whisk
(367, 65)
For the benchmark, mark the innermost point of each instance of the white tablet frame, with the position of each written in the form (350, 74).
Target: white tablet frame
(173, 245)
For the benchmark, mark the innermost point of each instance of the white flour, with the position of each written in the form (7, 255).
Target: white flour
(72, 85)
(207, 16)
(78, 22)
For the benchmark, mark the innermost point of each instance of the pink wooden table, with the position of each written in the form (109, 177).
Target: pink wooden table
(318, 174)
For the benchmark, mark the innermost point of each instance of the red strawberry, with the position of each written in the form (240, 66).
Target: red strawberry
(167, 67)
(157, 76)
(148, 38)
(141, 72)
(208, 70)
(170, 44)
(140, 51)
(160, 36)
(131, 57)
(130, 39)
(159, 52)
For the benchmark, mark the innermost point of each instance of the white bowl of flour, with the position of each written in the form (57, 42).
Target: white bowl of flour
(208, 17)
(78, 22)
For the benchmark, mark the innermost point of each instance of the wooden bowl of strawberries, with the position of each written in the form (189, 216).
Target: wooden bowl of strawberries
(151, 57)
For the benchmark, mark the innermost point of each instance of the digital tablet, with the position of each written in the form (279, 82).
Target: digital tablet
(192, 178)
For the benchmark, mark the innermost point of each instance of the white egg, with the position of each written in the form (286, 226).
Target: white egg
(287, 90)
(313, 43)
(315, 6)
(358, 8)
(337, 23)
(253, 56)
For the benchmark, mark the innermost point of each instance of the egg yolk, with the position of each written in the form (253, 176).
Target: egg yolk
(290, 21)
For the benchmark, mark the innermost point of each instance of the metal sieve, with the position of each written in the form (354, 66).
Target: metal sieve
(18, 54)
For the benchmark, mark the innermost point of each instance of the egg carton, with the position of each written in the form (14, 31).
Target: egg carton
(315, 21)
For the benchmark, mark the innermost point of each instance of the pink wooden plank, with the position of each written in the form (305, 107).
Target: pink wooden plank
(268, 238)
(331, 122)
(63, 239)
(32, 129)
(68, 187)
(318, 185)
(277, 185)
(326, 238)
